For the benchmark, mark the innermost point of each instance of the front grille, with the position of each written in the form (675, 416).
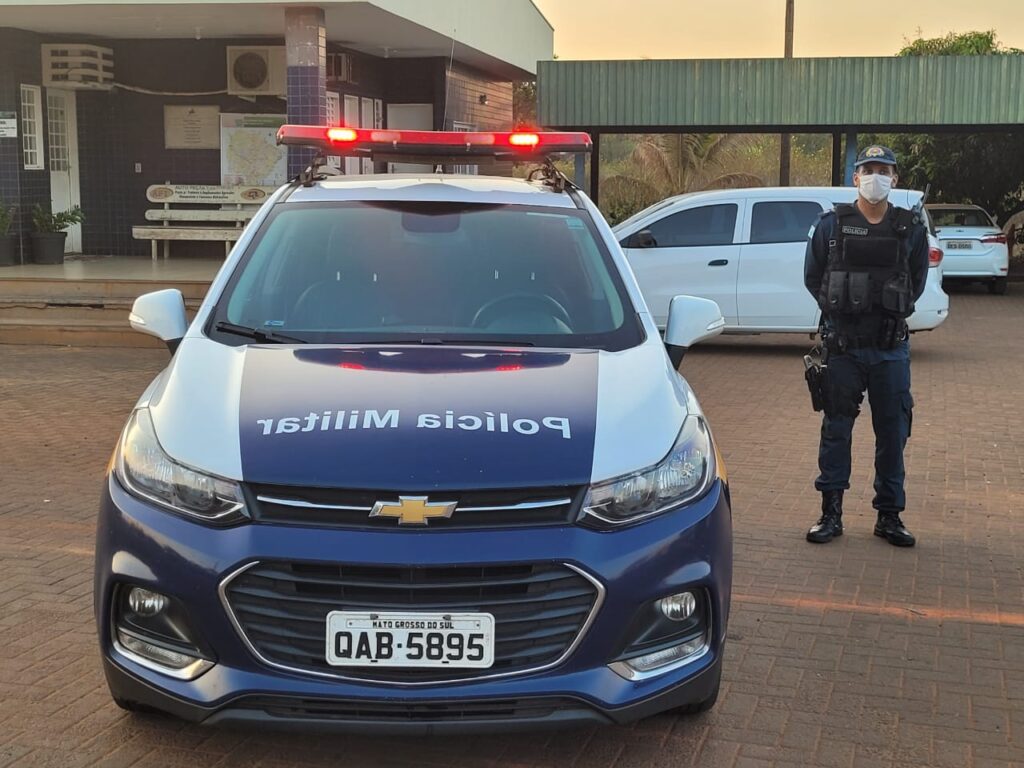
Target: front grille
(539, 610)
(342, 508)
(535, 708)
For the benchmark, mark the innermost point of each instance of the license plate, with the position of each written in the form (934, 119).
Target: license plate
(450, 640)
(959, 245)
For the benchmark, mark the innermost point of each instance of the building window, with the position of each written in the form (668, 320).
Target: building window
(57, 124)
(32, 127)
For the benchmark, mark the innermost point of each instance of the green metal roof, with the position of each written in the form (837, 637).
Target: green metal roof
(892, 92)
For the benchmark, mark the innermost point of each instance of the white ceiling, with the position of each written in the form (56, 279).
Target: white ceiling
(362, 26)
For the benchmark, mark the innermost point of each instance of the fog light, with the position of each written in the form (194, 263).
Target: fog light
(146, 603)
(678, 607)
(170, 662)
(660, 661)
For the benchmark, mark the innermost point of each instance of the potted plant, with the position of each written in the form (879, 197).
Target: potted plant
(49, 235)
(7, 240)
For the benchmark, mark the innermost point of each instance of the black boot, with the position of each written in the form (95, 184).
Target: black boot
(892, 529)
(830, 524)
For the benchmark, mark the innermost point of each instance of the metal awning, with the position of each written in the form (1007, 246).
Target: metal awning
(772, 95)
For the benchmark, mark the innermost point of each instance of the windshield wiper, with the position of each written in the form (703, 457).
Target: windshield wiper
(268, 337)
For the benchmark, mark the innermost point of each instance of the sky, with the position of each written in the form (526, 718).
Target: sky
(713, 29)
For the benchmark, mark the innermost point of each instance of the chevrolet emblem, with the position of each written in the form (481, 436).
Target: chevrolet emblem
(413, 510)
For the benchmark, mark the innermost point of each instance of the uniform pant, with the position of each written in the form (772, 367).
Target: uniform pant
(885, 374)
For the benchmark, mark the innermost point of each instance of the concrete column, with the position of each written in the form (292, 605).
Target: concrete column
(851, 156)
(306, 53)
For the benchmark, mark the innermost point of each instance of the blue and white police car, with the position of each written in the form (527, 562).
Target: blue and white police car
(421, 462)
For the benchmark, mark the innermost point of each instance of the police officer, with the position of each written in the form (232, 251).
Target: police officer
(866, 265)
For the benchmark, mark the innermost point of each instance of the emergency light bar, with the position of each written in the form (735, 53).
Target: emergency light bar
(367, 142)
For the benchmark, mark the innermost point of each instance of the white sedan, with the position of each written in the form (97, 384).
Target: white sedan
(975, 247)
(744, 249)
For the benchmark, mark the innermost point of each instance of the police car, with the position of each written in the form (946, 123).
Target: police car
(421, 462)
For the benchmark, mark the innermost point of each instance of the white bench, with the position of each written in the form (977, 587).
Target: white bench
(238, 205)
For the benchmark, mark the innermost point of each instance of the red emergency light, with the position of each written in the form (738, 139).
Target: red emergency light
(499, 145)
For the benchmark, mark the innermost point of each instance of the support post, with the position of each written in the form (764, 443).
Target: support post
(579, 169)
(595, 166)
(851, 156)
(785, 140)
(837, 159)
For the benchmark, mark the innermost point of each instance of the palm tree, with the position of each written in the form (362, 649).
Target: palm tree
(664, 165)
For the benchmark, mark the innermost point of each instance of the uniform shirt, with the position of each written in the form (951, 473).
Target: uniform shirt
(816, 258)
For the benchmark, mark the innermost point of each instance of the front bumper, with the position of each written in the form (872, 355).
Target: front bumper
(687, 549)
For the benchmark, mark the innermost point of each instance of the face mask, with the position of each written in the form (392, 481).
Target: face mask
(875, 188)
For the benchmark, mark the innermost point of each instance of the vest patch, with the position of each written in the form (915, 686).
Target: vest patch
(848, 230)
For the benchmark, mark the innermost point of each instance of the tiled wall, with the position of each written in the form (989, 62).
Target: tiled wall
(306, 40)
(20, 64)
(119, 128)
(465, 87)
(415, 81)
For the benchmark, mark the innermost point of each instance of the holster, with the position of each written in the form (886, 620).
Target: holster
(816, 375)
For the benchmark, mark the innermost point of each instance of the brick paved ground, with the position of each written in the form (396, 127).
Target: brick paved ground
(853, 654)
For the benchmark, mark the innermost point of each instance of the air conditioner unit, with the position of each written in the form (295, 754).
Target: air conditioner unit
(343, 67)
(257, 70)
(78, 66)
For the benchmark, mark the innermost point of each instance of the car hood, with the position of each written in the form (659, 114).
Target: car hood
(417, 418)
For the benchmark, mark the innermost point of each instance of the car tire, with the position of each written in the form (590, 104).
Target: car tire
(133, 706)
(997, 286)
(703, 705)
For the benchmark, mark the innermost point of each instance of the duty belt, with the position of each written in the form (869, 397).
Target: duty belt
(838, 342)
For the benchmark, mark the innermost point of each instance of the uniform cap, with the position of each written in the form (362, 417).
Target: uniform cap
(875, 154)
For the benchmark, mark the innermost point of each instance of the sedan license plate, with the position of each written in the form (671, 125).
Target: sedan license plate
(449, 640)
(959, 245)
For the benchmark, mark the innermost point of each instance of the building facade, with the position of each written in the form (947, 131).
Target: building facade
(98, 102)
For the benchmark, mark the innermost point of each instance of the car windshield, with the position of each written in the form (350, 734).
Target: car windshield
(425, 272)
(960, 217)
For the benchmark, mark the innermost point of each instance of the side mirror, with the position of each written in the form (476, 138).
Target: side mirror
(161, 314)
(641, 239)
(690, 320)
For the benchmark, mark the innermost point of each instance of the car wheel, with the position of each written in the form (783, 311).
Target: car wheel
(705, 704)
(997, 286)
(133, 706)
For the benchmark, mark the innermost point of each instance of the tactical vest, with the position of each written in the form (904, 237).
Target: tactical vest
(867, 276)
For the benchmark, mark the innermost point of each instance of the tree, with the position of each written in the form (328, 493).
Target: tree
(958, 44)
(660, 166)
(985, 169)
(524, 104)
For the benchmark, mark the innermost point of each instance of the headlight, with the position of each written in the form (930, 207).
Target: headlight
(147, 472)
(682, 476)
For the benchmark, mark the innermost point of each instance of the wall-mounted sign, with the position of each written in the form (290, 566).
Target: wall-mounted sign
(191, 127)
(206, 193)
(8, 125)
(249, 153)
